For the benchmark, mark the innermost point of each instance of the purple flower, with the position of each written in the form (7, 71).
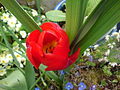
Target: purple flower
(82, 86)
(90, 58)
(69, 86)
(93, 87)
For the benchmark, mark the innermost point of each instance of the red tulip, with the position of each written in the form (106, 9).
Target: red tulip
(50, 47)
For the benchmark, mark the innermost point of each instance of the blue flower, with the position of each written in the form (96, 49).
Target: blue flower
(69, 86)
(37, 88)
(93, 87)
(62, 72)
(82, 86)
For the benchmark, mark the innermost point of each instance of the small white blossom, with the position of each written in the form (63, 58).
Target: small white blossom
(34, 12)
(86, 53)
(107, 52)
(5, 17)
(2, 72)
(96, 46)
(23, 34)
(115, 34)
(110, 45)
(114, 43)
(113, 64)
(9, 57)
(105, 59)
(43, 16)
(12, 21)
(18, 25)
(107, 37)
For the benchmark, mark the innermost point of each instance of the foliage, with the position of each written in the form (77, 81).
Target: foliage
(98, 63)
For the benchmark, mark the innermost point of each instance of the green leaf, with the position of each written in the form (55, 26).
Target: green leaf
(29, 74)
(51, 74)
(103, 18)
(15, 81)
(20, 14)
(75, 13)
(55, 15)
(91, 6)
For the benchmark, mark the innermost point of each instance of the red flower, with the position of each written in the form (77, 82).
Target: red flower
(50, 47)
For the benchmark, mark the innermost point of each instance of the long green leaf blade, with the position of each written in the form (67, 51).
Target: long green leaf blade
(75, 12)
(109, 17)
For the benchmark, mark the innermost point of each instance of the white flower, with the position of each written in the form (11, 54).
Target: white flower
(12, 21)
(107, 37)
(18, 56)
(105, 59)
(113, 43)
(9, 57)
(43, 16)
(23, 34)
(110, 45)
(2, 72)
(34, 12)
(115, 34)
(107, 52)
(18, 26)
(96, 46)
(113, 64)
(4, 60)
(100, 59)
(86, 53)
(5, 17)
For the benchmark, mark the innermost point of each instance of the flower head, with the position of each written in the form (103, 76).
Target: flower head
(82, 86)
(37, 88)
(69, 86)
(50, 47)
(5, 17)
(93, 87)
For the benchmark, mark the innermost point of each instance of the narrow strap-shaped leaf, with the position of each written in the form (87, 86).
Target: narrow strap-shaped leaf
(29, 74)
(20, 14)
(109, 17)
(89, 23)
(38, 4)
(75, 12)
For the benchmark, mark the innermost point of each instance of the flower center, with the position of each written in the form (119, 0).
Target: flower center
(49, 47)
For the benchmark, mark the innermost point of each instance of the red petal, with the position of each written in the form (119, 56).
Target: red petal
(56, 66)
(50, 26)
(62, 48)
(48, 37)
(34, 54)
(33, 36)
(51, 59)
(73, 57)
